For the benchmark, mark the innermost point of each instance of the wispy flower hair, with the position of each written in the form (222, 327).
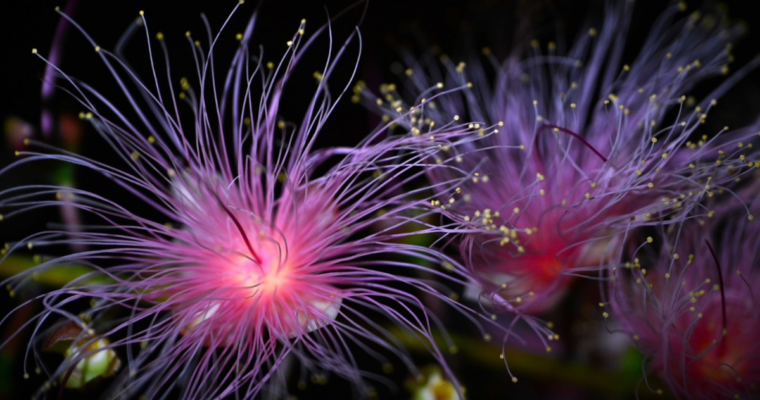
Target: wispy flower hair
(567, 152)
(265, 260)
(691, 305)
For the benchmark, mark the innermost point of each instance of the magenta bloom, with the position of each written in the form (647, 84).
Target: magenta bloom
(264, 264)
(570, 151)
(693, 313)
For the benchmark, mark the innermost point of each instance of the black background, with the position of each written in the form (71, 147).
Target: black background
(456, 26)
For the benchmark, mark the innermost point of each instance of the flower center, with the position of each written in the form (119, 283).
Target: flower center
(278, 294)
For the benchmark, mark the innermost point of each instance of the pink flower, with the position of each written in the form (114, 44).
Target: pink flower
(568, 153)
(265, 261)
(691, 305)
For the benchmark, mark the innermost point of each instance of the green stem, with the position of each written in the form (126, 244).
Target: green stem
(610, 383)
(54, 276)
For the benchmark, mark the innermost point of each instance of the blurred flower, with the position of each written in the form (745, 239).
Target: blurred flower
(20, 133)
(70, 129)
(432, 385)
(264, 260)
(691, 306)
(49, 83)
(17, 131)
(567, 152)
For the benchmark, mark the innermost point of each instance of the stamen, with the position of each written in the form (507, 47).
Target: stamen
(239, 227)
(720, 281)
(64, 381)
(573, 134)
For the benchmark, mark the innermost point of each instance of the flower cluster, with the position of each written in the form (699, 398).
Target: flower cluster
(569, 154)
(226, 249)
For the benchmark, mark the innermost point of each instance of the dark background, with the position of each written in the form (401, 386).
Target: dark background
(455, 26)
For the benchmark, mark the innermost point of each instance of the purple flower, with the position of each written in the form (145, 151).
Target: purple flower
(568, 152)
(265, 262)
(690, 305)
